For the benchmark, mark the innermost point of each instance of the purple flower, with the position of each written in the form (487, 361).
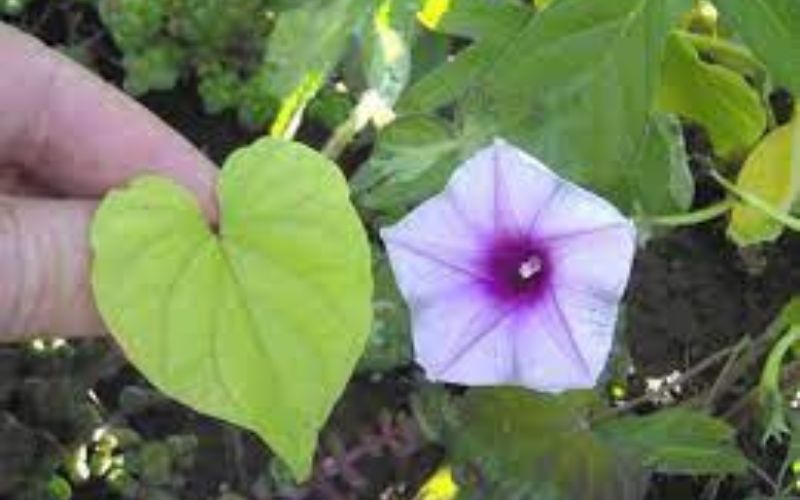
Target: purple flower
(513, 275)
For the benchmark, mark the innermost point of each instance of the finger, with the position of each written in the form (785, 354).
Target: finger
(80, 135)
(44, 267)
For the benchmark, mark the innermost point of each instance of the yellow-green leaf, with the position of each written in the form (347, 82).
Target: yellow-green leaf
(712, 95)
(771, 172)
(260, 324)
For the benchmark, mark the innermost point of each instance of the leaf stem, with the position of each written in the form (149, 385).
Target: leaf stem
(371, 108)
(757, 202)
(704, 214)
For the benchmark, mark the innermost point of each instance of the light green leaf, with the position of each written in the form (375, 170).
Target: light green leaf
(527, 445)
(661, 177)
(771, 172)
(714, 96)
(261, 324)
(678, 441)
(304, 47)
(771, 28)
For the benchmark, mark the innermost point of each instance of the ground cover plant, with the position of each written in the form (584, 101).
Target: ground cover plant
(496, 249)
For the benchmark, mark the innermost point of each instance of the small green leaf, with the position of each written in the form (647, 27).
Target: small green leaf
(679, 441)
(299, 67)
(771, 172)
(771, 28)
(714, 96)
(387, 56)
(770, 397)
(526, 443)
(260, 325)
(662, 178)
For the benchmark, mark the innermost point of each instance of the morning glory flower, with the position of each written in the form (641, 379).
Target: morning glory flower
(512, 274)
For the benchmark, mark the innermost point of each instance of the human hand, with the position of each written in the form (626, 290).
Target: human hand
(66, 138)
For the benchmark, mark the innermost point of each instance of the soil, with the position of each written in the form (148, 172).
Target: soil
(691, 293)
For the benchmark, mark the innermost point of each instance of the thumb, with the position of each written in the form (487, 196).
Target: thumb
(44, 269)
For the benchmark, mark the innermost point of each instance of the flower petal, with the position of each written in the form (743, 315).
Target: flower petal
(464, 339)
(564, 343)
(501, 189)
(433, 250)
(574, 211)
(597, 260)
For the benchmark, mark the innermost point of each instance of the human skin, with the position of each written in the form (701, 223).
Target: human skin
(66, 138)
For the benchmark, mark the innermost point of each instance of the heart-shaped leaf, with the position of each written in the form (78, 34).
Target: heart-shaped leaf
(261, 324)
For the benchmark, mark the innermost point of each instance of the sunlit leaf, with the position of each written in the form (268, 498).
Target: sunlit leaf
(712, 95)
(771, 172)
(679, 441)
(440, 486)
(771, 28)
(261, 324)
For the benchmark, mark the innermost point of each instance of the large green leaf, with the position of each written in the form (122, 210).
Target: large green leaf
(712, 95)
(525, 445)
(304, 47)
(771, 29)
(679, 441)
(576, 88)
(771, 172)
(260, 324)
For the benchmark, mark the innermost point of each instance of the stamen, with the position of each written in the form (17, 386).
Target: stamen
(529, 267)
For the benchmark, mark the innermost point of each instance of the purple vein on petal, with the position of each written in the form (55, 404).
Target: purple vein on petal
(481, 333)
(582, 233)
(442, 261)
(607, 297)
(500, 195)
(566, 343)
(555, 191)
(453, 200)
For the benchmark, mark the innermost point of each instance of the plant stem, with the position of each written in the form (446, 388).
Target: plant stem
(758, 203)
(704, 214)
(689, 374)
(341, 137)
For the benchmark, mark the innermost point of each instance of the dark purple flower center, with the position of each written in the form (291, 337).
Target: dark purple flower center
(518, 269)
